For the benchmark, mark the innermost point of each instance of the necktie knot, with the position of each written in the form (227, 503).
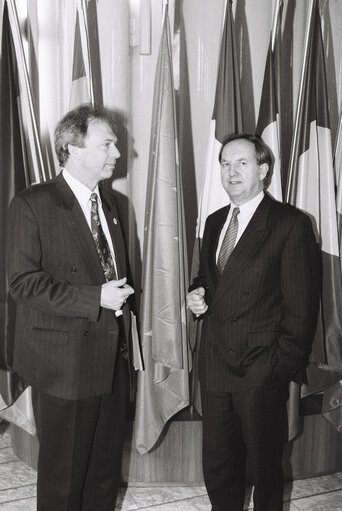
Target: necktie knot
(235, 213)
(93, 198)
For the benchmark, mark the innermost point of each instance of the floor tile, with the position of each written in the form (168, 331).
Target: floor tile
(22, 492)
(20, 505)
(308, 487)
(15, 474)
(162, 495)
(125, 501)
(326, 502)
(198, 503)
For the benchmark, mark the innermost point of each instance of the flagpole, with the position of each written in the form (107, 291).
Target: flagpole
(83, 8)
(279, 5)
(300, 100)
(21, 54)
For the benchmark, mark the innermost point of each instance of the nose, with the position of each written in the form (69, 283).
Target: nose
(233, 169)
(115, 152)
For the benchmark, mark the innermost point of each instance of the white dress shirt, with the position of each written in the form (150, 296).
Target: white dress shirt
(247, 210)
(82, 194)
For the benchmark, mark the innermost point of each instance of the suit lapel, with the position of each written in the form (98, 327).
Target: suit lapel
(247, 246)
(78, 226)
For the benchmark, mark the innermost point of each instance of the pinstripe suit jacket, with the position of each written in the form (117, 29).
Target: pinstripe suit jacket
(262, 311)
(65, 343)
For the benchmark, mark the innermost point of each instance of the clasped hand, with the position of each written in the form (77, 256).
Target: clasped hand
(115, 293)
(195, 301)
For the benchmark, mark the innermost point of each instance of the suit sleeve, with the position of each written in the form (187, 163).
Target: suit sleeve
(29, 283)
(301, 284)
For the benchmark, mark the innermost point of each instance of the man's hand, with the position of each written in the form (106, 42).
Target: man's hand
(115, 293)
(195, 301)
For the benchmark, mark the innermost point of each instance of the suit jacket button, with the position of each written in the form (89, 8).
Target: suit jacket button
(234, 320)
(86, 332)
(73, 269)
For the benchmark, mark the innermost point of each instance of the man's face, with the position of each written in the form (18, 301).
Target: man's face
(99, 154)
(241, 175)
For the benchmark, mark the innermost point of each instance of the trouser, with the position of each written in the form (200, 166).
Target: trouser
(248, 424)
(80, 448)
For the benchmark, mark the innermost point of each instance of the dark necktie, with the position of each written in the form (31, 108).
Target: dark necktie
(105, 255)
(228, 241)
(101, 242)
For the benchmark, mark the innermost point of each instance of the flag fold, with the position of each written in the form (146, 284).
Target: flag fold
(163, 388)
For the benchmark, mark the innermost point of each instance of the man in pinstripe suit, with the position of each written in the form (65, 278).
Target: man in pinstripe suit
(257, 291)
(70, 337)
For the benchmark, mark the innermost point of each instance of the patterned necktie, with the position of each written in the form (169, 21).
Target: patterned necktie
(101, 243)
(228, 241)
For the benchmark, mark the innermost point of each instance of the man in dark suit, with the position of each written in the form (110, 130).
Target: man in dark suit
(67, 271)
(257, 290)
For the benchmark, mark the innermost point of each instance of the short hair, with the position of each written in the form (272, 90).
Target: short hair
(72, 128)
(262, 151)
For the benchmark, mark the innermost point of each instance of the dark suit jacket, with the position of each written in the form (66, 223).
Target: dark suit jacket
(65, 343)
(262, 311)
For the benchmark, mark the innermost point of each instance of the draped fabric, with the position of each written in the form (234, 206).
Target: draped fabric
(226, 119)
(163, 388)
(15, 403)
(311, 187)
(79, 87)
(268, 126)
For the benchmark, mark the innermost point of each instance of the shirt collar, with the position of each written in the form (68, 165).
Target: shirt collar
(249, 207)
(81, 191)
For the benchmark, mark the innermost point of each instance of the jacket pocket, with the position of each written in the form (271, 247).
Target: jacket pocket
(50, 335)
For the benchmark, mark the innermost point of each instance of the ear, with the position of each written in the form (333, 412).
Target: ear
(73, 151)
(263, 171)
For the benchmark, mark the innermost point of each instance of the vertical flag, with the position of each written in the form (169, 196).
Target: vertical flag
(80, 87)
(28, 124)
(338, 177)
(311, 188)
(268, 126)
(15, 405)
(163, 388)
(226, 119)
(332, 398)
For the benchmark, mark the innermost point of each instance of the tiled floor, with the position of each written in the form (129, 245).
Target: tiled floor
(17, 490)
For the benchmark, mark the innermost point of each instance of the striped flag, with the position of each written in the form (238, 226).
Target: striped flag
(338, 176)
(80, 92)
(226, 119)
(268, 126)
(163, 388)
(311, 188)
(15, 402)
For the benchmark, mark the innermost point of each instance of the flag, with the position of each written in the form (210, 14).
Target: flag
(79, 87)
(226, 119)
(163, 388)
(15, 405)
(311, 187)
(338, 177)
(33, 159)
(268, 126)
